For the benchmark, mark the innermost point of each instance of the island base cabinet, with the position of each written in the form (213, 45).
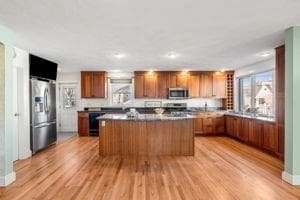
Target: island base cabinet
(142, 138)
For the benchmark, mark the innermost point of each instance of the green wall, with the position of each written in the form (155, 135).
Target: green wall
(292, 105)
(6, 163)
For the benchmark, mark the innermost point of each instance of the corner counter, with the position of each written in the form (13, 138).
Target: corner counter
(147, 134)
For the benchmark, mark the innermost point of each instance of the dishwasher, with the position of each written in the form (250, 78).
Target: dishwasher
(94, 123)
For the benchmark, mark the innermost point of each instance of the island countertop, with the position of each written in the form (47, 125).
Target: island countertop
(145, 117)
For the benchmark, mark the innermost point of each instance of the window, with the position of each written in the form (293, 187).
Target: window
(245, 93)
(121, 91)
(257, 93)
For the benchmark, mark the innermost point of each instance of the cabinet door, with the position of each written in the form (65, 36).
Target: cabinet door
(194, 85)
(139, 85)
(162, 85)
(182, 79)
(219, 125)
(99, 85)
(198, 126)
(83, 124)
(86, 84)
(243, 126)
(208, 125)
(255, 133)
(150, 86)
(229, 121)
(268, 140)
(206, 82)
(219, 84)
(178, 79)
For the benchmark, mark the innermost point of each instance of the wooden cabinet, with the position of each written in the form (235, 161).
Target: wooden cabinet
(150, 87)
(261, 134)
(209, 125)
(269, 136)
(200, 84)
(206, 84)
(242, 131)
(280, 99)
(83, 123)
(86, 84)
(219, 85)
(219, 125)
(139, 86)
(162, 84)
(145, 85)
(229, 124)
(198, 126)
(93, 84)
(178, 79)
(194, 85)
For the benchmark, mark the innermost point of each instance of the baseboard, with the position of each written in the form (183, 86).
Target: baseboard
(8, 179)
(291, 179)
(25, 155)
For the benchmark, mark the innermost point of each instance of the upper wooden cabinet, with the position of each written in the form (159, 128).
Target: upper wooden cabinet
(162, 84)
(219, 84)
(145, 85)
(93, 84)
(179, 79)
(206, 84)
(200, 84)
(194, 85)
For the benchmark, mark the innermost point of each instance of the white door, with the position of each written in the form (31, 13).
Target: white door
(18, 103)
(68, 100)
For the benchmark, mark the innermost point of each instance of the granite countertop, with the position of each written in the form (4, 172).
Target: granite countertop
(250, 116)
(145, 117)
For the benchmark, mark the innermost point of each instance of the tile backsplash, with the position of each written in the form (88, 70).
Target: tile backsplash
(197, 102)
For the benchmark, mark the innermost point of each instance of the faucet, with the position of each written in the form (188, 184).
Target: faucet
(205, 106)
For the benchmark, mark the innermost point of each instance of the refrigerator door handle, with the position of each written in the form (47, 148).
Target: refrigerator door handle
(45, 101)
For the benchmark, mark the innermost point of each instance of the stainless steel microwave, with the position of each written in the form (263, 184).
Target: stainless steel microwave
(178, 93)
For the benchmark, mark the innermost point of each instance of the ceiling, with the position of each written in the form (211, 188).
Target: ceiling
(206, 35)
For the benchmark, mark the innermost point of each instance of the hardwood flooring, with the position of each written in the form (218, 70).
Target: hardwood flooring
(222, 168)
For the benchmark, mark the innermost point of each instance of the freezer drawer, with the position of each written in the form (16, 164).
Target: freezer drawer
(43, 136)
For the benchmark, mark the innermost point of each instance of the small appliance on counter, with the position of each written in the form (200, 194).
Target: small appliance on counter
(178, 93)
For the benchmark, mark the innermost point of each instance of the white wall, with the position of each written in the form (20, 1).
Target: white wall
(21, 60)
(248, 70)
(75, 77)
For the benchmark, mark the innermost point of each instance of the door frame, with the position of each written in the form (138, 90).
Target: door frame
(21, 60)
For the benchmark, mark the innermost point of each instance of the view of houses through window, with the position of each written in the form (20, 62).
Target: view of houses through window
(257, 93)
(121, 91)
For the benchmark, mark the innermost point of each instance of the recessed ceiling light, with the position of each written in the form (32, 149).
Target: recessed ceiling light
(265, 54)
(172, 55)
(115, 70)
(119, 55)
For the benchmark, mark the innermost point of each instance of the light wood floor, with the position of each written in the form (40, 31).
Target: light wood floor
(222, 168)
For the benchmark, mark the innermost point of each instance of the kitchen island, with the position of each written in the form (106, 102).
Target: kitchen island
(146, 134)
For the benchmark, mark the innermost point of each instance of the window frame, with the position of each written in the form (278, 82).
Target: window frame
(253, 92)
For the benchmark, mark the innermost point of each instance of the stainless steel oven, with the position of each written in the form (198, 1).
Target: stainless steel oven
(178, 93)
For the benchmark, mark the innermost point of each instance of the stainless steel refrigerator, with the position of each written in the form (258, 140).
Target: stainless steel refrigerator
(43, 114)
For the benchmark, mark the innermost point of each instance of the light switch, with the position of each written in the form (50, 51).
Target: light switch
(102, 123)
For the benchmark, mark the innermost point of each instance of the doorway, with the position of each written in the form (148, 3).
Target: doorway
(18, 107)
(67, 109)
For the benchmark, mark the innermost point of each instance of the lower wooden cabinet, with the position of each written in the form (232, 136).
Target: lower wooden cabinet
(261, 134)
(255, 133)
(269, 136)
(83, 123)
(214, 125)
(198, 126)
